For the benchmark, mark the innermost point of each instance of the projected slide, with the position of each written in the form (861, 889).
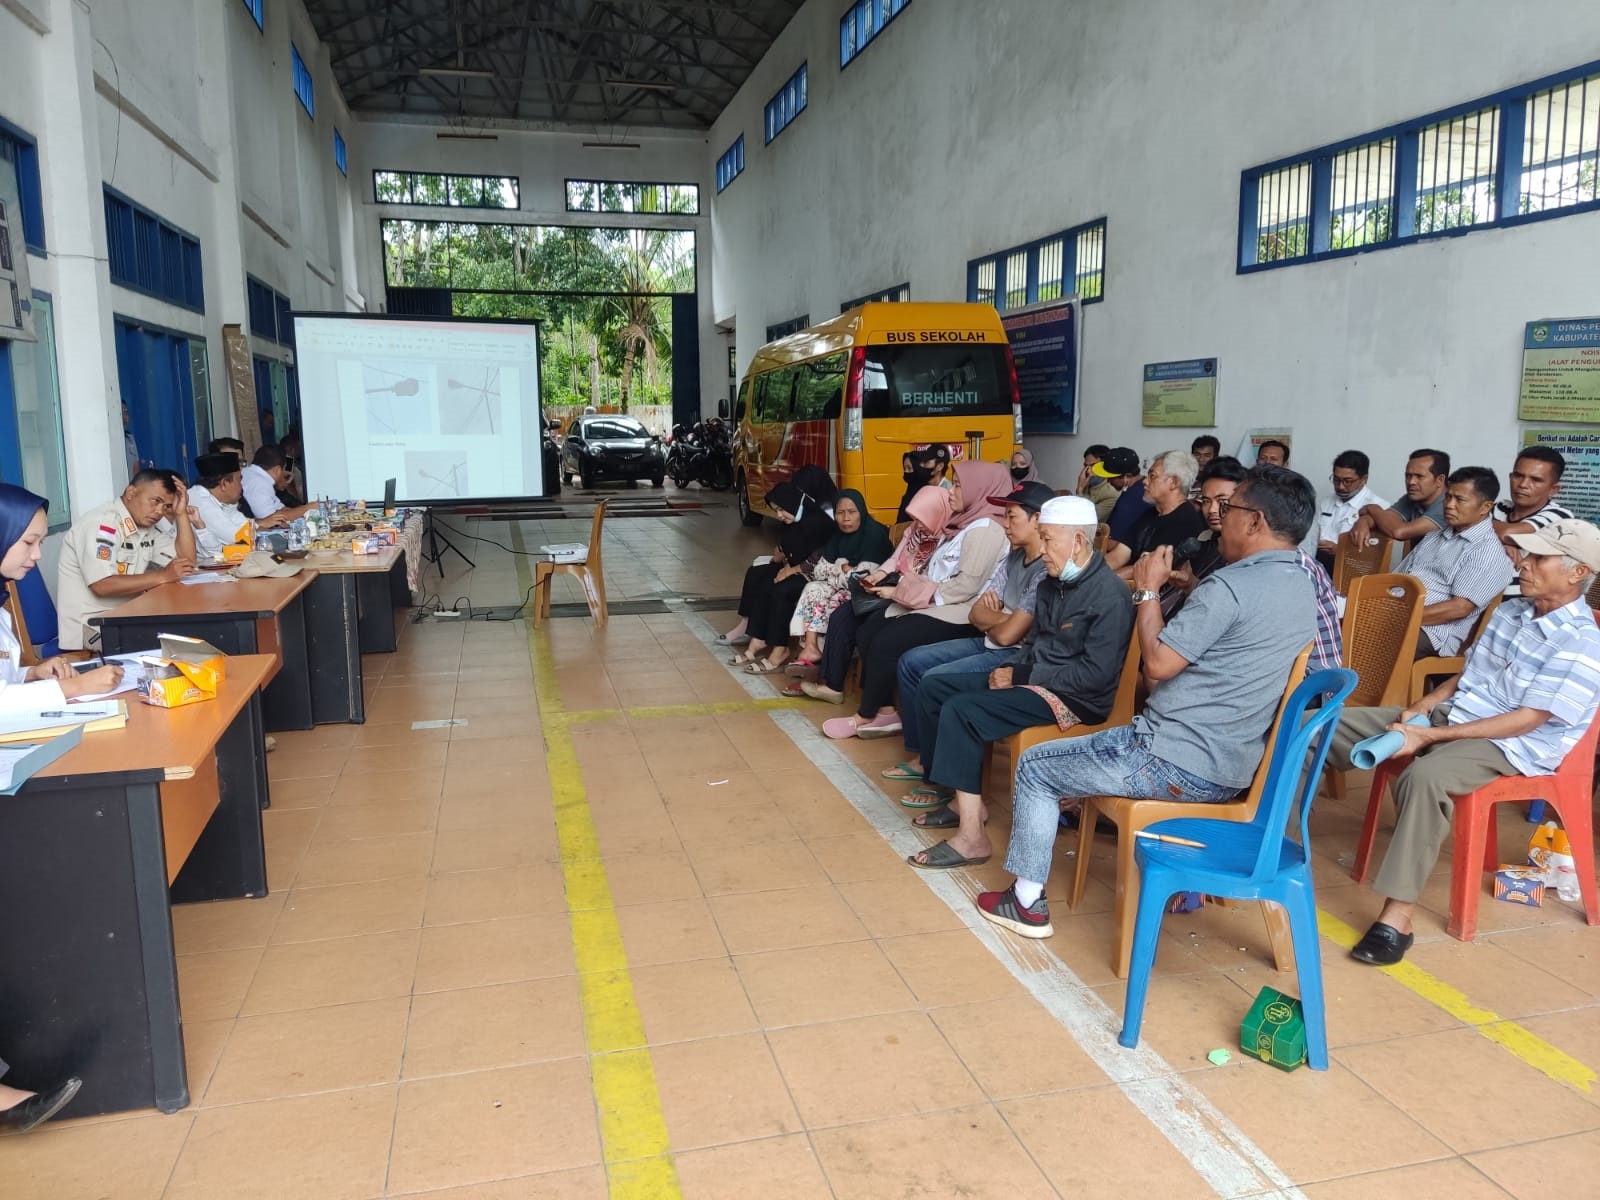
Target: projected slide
(448, 409)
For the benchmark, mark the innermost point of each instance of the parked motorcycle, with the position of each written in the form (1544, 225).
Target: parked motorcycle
(703, 455)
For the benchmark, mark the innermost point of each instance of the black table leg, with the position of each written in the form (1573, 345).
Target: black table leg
(334, 649)
(375, 592)
(229, 861)
(91, 981)
(288, 697)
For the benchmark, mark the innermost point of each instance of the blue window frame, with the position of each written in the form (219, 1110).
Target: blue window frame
(340, 156)
(302, 82)
(785, 328)
(270, 312)
(20, 152)
(1525, 154)
(731, 164)
(149, 255)
(900, 292)
(788, 104)
(863, 21)
(1069, 263)
(257, 11)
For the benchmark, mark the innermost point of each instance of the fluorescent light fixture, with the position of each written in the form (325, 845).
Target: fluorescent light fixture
(456, 72)
(646, 85)
(611, 146)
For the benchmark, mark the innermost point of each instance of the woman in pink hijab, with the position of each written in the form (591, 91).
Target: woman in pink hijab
(930, 605)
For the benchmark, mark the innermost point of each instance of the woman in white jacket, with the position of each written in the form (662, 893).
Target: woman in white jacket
(53, 681)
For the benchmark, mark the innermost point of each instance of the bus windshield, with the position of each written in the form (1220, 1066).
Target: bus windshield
(936, 381)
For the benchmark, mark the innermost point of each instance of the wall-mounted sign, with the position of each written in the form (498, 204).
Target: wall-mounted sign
(1179, 394)
(1561, 371)
(1580, 483)
(1045, 343)
(16, 299)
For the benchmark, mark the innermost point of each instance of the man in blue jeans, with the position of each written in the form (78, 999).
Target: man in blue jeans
(1003, 616)
(1216, 675)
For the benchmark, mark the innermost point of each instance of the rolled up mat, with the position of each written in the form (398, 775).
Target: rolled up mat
(1365, 755)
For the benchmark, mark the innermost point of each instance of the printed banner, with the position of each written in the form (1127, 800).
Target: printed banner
(1580, 483)
(1181, 394)
(1561, 371)
(1045, 344)
(16, 300)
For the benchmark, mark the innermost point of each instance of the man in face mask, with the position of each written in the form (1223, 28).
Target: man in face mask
(1068, 674)
(923, 467)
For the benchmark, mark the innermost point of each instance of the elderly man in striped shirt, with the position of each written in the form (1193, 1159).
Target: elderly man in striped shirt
(1526, 696)
(1462, 566)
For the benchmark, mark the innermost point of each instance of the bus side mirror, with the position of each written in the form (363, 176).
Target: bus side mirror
(722, 409)
(738, 411)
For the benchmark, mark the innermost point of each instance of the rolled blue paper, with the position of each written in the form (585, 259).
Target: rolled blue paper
(1365, 755)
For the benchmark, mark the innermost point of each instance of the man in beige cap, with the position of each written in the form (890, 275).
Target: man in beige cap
(1526, 695)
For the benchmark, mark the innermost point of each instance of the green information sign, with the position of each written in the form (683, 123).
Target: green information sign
(1560, 371)
(1181, 394)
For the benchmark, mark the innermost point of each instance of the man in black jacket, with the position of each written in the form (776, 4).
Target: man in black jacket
(1067, 675)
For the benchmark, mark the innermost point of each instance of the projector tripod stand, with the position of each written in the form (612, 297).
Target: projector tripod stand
(439, 544)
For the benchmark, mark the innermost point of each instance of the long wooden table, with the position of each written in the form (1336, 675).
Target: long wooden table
(350, 611)
(93, 850)
(264, 615)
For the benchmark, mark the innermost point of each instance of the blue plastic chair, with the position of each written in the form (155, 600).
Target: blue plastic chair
(1250, 861)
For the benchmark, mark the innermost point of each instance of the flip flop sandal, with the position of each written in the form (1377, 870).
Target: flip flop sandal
(942, 856)
(902, 773)
(942, 817)
(762, 666)
(802, 670)
(793, 690)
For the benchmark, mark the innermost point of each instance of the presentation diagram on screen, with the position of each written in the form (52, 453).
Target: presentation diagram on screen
(448, 409)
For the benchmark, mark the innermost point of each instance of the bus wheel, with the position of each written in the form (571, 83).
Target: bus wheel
(746, 514)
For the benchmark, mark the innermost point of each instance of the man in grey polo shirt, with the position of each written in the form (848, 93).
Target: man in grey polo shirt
(1462, 566)
(1416, 514)
(1216, 674)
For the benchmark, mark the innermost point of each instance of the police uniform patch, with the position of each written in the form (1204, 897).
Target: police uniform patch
(128, 527)
(122, 568)
(103, 551)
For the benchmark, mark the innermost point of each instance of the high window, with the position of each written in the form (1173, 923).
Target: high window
(1069, 263)
(1525, 154)
(863, 21)
(731, 164)
(611, 196)
(302, 82)
(448, 191)
(149, 255)
(19, 153)
(257, 11)
(341, 157)
(900, 292)
(788, 104)
(269, 312)
(785, 328)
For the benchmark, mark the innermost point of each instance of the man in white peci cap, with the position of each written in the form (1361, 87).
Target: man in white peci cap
(1065, 675)
(1525, 696)
(1216, 675)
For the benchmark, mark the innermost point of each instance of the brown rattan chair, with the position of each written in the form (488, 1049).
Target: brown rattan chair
(1102, 537)
(1350, 560)
(19, 626)
(1131, 815)
(1382, 616)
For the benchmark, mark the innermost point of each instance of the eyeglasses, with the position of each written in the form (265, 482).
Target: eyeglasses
(1224, 507)
(1351, 482)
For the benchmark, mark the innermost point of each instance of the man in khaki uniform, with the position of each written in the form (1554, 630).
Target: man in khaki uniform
(115, 552)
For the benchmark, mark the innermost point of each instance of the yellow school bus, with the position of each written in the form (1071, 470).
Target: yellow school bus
(855, 394)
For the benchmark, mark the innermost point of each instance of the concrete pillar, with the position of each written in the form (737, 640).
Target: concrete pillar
(91, 403)
(226, 302)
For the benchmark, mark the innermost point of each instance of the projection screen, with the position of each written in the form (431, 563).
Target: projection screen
(447, 408)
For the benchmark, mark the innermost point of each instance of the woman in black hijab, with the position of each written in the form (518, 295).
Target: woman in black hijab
(923, 468)
(771, 590)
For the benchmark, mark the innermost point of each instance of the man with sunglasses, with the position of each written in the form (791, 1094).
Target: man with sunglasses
(1216, 674)
(1525, 696)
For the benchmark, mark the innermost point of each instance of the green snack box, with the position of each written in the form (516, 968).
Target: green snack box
(1274, 1030)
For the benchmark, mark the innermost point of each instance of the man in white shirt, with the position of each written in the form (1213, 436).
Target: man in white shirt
(1340, 510)
(268, 471)
(216, 501)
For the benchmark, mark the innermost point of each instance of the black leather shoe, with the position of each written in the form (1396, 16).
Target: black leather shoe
(39, 1108)
(1382, 945)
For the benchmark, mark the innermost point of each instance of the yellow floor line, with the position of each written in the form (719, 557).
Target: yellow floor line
(633, 1128)
(1525, 1044)
(709, 709)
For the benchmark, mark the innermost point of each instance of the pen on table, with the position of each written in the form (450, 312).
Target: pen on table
(55, 714)
(1167, 837)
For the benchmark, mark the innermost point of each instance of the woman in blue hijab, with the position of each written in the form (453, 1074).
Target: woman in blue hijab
(53, 681)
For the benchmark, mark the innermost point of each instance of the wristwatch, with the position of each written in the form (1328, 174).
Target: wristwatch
(1143, 594)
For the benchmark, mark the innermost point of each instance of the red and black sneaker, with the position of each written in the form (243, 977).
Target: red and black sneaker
(1003, 909)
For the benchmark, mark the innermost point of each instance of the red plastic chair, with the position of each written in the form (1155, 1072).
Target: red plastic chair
(1569, 791)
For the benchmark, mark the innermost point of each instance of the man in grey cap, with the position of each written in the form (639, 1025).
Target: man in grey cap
(1526, 695)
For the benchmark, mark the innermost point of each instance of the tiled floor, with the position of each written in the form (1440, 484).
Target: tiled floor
(402, 1015)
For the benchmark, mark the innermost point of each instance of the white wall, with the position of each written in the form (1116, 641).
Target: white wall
(187, 108)
(963, 129)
